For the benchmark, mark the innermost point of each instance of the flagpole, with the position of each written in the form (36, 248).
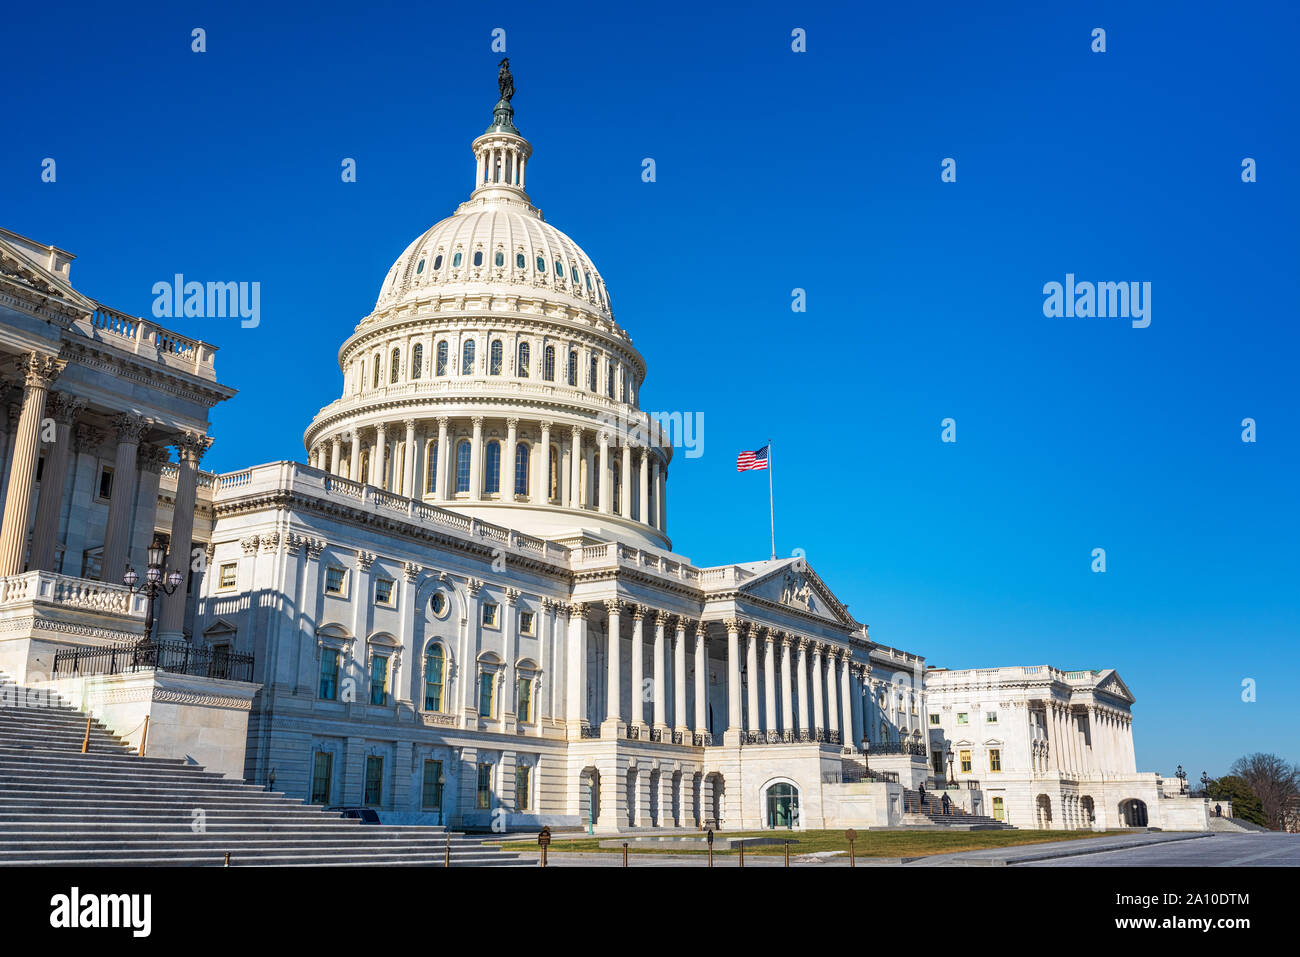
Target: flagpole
(771, 509)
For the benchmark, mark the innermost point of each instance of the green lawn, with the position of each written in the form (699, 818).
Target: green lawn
(868, 844)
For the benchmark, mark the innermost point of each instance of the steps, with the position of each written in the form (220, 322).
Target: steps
(110, 807)
(915, 813)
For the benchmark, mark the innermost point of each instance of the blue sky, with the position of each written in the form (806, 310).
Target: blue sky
(777, 170)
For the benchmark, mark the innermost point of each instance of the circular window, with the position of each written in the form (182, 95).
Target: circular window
(438, 604)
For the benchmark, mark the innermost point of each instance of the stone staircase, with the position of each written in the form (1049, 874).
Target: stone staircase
(931, 814)
(111, 807)
(1235, 825)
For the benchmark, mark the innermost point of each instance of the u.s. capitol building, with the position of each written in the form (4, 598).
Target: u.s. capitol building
(464, 605)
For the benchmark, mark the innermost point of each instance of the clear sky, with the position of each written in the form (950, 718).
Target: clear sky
(775, 170)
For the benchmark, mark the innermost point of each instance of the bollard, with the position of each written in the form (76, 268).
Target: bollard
(144, 737)
(787, 853)
(227, 864)
(851, 835)
(709, 837)
(625, 853)
(742, 853)
(85, 742)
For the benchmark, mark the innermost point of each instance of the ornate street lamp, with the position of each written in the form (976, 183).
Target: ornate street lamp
(153, 583)
(866, 760)
(952, 778)
(1205, 785)
(442, 797)
(1181, 775)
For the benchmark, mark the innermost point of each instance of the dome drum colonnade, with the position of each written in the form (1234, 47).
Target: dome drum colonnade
(466, 383)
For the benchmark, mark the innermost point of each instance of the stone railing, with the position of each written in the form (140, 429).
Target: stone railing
(148, 340)
(64, 591)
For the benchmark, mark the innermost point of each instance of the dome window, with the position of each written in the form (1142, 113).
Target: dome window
(574, 271)
(467, 358)
(588, 275)
(541, 264)
(478, 257)
(559, 269)
(441, 368)
(525, 357)
(494, 358)
(455, 261)
(500, 258)
(519, 260)
(437, 261)
(420, 268)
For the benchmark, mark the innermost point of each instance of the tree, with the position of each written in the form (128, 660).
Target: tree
(1274, 782)
(1245, 804)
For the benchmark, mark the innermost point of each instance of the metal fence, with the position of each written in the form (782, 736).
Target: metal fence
(177, 657)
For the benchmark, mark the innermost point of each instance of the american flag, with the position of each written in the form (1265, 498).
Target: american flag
(746, 461)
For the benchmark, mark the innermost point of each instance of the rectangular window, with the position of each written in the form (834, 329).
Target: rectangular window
(963, 717)
(105, 483)
(433, 783)
(522, 774)
(335, 580)
(490, 614)
(220, 667)
(934, 720)
(384, 591)
(525, 706)
(485, 694)
(990, 717)
(936, 762)
(484, 792)
(329, 673)
(999, 809)
(526, 623)
(379, 680)
(228, 574)
(322, 773)
(374, 780)
(965, 762)
(995, 759)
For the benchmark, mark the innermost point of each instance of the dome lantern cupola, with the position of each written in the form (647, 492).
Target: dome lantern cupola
(501, 154)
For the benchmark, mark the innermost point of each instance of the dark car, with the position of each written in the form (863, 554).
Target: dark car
(366, 815)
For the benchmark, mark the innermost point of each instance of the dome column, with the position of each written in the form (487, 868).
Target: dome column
(476, 461)
(354, 457)
(379, 460)
(626, 476)
(542, 468)
(662, 499)
(508, 465)
(643, 491)
(408, 466)
(440, 458)
(336, 456)
(604, 486)
(575, 470)
(653, 519)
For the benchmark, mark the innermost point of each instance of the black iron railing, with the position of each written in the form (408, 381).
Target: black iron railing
(177, 657)
(898, 747)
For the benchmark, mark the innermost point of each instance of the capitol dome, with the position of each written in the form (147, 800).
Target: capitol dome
(492, 379)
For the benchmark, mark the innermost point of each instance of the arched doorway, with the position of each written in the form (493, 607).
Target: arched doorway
(1043, 810)
(1089, 811)
(1133, 813)
(714, 787)
(676, 819)
(655, 813)
(781, 806)
(631, 797)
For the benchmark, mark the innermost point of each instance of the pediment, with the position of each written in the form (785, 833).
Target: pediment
(792, 582)
(17, 266)
(1109, 682)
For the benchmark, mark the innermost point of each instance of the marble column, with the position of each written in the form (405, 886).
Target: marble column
(701, 679)
(507, 481)
(151, 459)
(832, 698)
(190, 448)
(804, 725)
(638, 666)
(662, 501)
(576, 659)
(613, 712)
(64, 409)
(476, 461)
(38, 372)
(591, 487)
(787, 685)
(661, 697)
(379, 461)
(408, 467)
(442, 455)
(354, 456)
(643, 488)
(846, 703)
(625, 476)
(733, 678)
(336, 455)
(751, 666)
(606, 486)
(653, 518)
(769, 683)
(575, 470)
(542, 468)
(679, 682)
(117, 534)
(818, 700)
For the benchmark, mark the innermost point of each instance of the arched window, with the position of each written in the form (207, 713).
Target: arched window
(500, 259)
(420, 268)
(588, 275)
(521, 469)
(431, 468)
(593, 373)
(417, 360)
(573, 368)
(548, 364)
(394, 365)
(376, 377)
(442, 358)
(478, 257)
(462, 466)
(617, 487)
(455, 261)
(437, 262)
(467, 358)
(559, 269)
(610, 378)
(541, 264)
(519, 260)
(494, 358)
(553, 472)
(525, 355)
(492, 468)
(573, 271)
(434, 670)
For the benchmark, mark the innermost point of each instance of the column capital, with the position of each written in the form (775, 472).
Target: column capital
(130, 427)
(37, 370)
(473, 586)
(682, 624)
(442, 421)
(412, 571)
(152, 457)
(663, 618)
(734, 625)
(512, 596)
(614, 605)
(63, 407)
(409, 424)
(546, 425)
(477, 421)
(191, 447)
(365, 560)
(639, 612)
(577, 609)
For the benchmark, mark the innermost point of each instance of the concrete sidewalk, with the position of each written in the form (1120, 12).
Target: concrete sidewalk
(1000, 856)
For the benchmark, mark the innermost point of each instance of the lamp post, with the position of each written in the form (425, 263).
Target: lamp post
(442, 792)
(153, 583)
(1205, 785)
(866, 751)
(1181, 775)
(952, 778)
